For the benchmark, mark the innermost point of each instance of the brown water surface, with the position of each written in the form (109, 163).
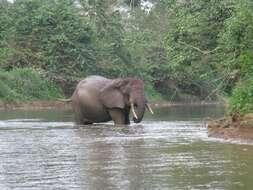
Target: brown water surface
(169, 150)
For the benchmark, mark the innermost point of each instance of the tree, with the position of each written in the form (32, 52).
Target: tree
(113, 58)
(53, 36)
(192, 41)
(237, 46)
(6, 49)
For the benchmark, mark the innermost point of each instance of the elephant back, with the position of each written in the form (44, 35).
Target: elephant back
(92, 82)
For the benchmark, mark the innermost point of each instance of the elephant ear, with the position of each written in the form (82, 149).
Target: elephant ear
(111, 95)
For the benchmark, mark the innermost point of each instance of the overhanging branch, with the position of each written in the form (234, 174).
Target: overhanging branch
(205, 52)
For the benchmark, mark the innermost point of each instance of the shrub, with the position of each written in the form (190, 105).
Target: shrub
(26, 84)
(242, 97)
(153, 95)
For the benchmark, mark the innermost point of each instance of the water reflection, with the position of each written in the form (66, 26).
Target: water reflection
(172, 113)
(187, 113)
(45, 150)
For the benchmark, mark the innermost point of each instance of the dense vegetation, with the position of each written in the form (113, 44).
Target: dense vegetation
(26, 84)
(183, 50)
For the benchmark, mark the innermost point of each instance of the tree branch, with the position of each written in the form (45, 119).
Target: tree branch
(205, 52)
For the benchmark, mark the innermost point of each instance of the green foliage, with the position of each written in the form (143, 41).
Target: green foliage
(26, 84)
(183, 50)
(242, 97)
(51, 35)
(133, 3)
(236, 43)
(152, 94)
(192, 41)
(112, 56)
(5, 30)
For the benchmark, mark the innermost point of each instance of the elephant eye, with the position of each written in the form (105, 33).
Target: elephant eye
(135, 105)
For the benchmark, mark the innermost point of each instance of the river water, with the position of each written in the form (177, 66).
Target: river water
(169, 150)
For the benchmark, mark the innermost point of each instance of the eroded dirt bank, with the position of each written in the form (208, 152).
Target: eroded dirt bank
(36, 105)
(240, 128)
(55, 104)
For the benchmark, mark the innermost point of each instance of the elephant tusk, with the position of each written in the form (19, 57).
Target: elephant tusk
(133, 111)
(149, 109)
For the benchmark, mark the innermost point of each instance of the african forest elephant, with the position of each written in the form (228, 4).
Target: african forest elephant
(98, 99)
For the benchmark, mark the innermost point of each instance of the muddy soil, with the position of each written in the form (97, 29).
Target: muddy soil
(240, 127)
(36, 105)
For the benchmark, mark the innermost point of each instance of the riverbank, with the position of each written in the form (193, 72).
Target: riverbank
(193, 103)
(35, 105)
(239, 128)
(55, 104)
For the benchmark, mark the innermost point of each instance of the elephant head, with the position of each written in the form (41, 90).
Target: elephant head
(126, 94)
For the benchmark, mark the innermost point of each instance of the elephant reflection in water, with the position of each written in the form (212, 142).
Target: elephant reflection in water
(98, 99)
(109, 162)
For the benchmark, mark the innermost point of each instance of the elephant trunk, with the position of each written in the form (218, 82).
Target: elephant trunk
(137, 104)
(138, 113)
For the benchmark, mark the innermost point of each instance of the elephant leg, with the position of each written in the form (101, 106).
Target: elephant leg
(117, 116)
(86, 122)
(127, 121)
(79, 119)
(82, 121)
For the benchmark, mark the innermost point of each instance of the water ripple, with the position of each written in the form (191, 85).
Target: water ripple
(37, 154)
